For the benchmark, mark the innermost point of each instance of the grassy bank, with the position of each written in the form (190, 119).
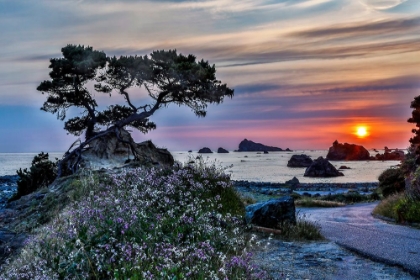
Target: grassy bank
(400, 207)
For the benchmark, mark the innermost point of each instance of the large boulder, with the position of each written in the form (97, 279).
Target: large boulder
(271, 213)
(116, 150)
(222, 151)
(322, 168)
(299, 161)
(347, 151)
(205, 150)
(250, 146)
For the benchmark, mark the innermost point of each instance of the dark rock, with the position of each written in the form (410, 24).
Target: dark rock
(190, 151)
(288, 150)
(222, 151)
(265, 152)
(249, 146)
(390, 155)
(347, 151)
(271, 213)
(299, 161)
(205, 150)
(293, 182)
(322, 168)
(344, 167)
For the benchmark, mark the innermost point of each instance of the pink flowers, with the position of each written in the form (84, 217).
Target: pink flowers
(150, 224)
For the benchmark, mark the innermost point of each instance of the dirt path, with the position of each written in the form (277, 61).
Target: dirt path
(354, 228)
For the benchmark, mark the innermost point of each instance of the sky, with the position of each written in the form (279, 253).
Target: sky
(305, 72)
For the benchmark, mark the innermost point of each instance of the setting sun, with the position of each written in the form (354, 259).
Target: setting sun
(361, 131)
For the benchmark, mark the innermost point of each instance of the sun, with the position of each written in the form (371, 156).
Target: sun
(361, 131)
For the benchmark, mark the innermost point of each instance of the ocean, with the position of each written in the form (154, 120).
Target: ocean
(272, 167)
(250, 166)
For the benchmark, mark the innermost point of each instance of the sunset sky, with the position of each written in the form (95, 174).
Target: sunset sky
(305, 72)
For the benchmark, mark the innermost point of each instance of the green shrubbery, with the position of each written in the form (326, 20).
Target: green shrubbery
(391, 181)
(40, 174)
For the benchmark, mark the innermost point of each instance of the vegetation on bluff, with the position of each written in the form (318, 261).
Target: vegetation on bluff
(143, 224)
(41, 173)
(401, 186)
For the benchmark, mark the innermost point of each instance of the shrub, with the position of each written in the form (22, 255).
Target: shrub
(407, 209)
(143, 224)
(41, 173)
(391, 181)
(399, 207)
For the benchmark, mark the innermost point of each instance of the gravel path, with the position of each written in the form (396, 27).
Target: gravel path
(354, 228)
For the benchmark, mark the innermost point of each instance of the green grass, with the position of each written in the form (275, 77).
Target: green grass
(310, 202)
(303, 230)
(399, 207)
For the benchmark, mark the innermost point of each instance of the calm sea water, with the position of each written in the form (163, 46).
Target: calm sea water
(10, 162)
(251, 166)
(272, 167)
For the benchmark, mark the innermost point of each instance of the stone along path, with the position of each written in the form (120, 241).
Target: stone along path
(354, 228)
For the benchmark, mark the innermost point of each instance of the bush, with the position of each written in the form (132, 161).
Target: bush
(399, 207)
(41, 173)
(143, 224)
(391, 181)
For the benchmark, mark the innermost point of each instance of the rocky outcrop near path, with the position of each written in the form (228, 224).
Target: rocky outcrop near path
(322, 168)
(346, 151)
(272, 213)
(250, 146)
(299, 161)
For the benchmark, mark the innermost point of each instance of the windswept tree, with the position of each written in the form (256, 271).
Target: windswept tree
(166, 76)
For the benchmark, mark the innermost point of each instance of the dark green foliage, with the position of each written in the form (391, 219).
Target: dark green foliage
(168, 77)
(67, 87)
(40, 174)
(391, 181)
(415, 118)
(407, 209)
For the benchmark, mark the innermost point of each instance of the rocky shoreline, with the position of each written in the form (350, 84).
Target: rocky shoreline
(269, 188)
(8, 185)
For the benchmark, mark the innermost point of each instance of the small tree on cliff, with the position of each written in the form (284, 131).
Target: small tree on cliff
(167, 77)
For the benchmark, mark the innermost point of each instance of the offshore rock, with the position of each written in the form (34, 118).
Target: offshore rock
(222, 151)
(205, 150)
(322, 168)
(271, 213)
(347, 151)
(299, 161)
(250, 146)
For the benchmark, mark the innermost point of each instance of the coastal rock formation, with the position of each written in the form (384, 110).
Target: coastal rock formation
(322, 168)
(205, 150)
(271, 213)
(390, 155)
(299, 161)
(347, 151)
(250, 146)
(117, 150)
(222, 151)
